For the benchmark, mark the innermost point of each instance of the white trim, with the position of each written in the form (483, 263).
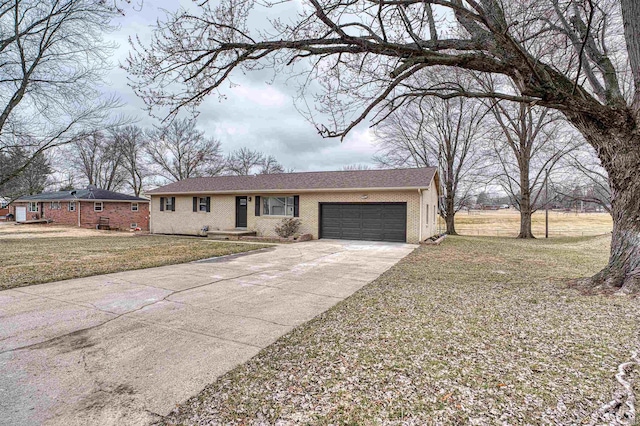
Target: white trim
(286, 198)
(200, 205)
(101, 206)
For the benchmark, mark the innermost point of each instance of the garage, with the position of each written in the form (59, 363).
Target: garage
(364, 221)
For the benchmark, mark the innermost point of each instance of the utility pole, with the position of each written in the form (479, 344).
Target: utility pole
(546, 204)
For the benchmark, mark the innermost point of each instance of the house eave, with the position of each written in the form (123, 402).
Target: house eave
(89, 200)
(291, 191)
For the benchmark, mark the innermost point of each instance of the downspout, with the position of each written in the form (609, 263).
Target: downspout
(79, 204)
(420, 224)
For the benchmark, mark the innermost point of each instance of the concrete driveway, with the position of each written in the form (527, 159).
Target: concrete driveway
(123, 348)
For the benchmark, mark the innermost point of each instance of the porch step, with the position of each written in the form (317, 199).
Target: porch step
(230, 234)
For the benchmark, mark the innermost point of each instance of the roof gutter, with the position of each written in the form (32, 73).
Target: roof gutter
(279, 191)
(73, 200)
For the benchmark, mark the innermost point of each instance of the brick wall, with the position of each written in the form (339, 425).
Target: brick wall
(60, 216)
(185, 221)
(30, 215)
(222, 216)
(309, 210)
(430, 219)
(119, 214)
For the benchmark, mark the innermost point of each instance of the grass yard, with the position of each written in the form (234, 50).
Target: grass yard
(506, 223)
(34, 261)
(478, 331)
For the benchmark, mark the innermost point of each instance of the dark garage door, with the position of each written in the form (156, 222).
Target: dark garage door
(359, 221)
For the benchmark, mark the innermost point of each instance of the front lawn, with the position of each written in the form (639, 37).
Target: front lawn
(475, 331)
(34, 261)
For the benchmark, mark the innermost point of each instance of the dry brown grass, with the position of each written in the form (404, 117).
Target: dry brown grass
(11, 230)
(506, 223)
(476, 331)
(32, 261)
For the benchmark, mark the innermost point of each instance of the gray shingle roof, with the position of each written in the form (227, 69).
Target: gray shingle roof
(81, 194)
(352, 179)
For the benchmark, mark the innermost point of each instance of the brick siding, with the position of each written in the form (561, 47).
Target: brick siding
(222, 216)
(119, 214)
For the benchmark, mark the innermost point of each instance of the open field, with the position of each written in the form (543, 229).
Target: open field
(480, 331)
(506, 223)
(26, 261)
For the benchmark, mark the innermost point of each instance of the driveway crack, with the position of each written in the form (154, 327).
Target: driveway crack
(117, 316)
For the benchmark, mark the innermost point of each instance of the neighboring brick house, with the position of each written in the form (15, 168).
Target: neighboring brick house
(4, 208)
(84, 208)
(378, 205)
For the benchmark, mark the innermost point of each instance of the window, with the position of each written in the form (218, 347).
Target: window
(434, 213)
(55, 205)
(97, 206)
(134, 207)
(33, 207)
(277, 206)
(427, 211)
(202, 204)
(72, 206)
(169, 204)
(134, 225)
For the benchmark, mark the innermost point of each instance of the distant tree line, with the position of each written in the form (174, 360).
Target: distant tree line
(131, 159)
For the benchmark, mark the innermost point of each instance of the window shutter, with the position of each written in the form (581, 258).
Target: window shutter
(296, 206)
(173, 204)
(208, 204)
(195, 204)
(161, 204)
(257, 198)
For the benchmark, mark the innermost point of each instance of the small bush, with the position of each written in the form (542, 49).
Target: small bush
(288, 227)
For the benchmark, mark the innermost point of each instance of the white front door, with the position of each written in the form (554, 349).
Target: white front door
(21, 214)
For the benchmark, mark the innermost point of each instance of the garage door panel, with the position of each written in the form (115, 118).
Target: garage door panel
(366, 221)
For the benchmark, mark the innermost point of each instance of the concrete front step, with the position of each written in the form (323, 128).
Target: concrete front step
(230, 234)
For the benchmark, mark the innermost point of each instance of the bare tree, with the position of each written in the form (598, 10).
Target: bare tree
(32, 180)
(244, 161)
(270, 166)
(432, 131)
(582, 170)
(533, 144)
(180, 151)
(53, 57)
(366, 55)
(99, 161)
(131, 142)
(351, 167)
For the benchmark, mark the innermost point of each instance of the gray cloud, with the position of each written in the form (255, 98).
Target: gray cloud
(255, 114)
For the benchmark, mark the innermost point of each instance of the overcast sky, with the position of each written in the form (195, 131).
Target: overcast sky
(255, 114)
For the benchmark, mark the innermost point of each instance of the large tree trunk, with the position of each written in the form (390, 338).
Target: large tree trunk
(623, 270)
(451, 225)
(450, 213)
(618, 148)
(525, 203)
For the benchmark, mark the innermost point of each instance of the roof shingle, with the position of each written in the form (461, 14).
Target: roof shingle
(81, 194)
(352, 179)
